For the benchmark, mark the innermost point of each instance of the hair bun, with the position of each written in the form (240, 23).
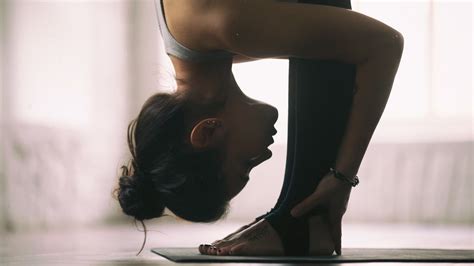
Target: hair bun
(139, 198)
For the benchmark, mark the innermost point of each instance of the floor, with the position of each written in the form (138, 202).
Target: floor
(117, 244)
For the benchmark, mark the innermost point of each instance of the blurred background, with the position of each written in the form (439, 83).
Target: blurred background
(75, 73)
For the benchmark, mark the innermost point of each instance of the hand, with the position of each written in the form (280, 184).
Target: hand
(332, 194)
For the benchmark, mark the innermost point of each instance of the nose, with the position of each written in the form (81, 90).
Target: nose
(273, 114)
(269, 111)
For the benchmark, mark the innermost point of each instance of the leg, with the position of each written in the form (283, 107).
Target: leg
(320, 96)
(292, 103)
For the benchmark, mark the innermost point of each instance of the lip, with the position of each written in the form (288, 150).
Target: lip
(271, 142)
(274, 131)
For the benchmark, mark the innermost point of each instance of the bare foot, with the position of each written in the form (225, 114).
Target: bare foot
(206, 249)
(259, 239)
(262, 240)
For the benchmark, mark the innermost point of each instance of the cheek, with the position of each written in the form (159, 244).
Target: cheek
(246, 133)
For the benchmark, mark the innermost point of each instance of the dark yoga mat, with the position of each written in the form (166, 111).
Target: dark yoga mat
(349, 255)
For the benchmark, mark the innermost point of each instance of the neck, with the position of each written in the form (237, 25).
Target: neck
(203, 81)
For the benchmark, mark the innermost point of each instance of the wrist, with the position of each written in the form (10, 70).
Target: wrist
(353, 181)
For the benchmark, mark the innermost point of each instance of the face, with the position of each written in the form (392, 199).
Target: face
(248, 127)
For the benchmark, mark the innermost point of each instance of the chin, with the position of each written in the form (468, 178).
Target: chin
(236, 192)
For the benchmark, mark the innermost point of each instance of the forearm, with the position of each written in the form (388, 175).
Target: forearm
(374, 80)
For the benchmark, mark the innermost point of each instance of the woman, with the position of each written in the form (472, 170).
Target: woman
(192, 150)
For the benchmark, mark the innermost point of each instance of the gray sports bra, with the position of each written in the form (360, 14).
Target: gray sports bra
(173, 47)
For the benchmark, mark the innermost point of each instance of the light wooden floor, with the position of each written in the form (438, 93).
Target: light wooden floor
(117, 244)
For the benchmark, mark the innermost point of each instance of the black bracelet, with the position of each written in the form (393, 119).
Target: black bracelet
(353, 181)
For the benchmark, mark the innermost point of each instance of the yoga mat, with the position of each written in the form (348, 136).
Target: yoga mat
(348, 255)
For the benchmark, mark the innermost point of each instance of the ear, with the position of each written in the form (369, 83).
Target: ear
(207, 133)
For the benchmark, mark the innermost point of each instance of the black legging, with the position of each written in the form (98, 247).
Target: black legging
(320, 97)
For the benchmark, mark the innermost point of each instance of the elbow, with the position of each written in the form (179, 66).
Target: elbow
(392, 43)
(386, 45)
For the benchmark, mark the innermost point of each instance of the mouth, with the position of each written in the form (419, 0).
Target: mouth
(271, 142)
(274, 131)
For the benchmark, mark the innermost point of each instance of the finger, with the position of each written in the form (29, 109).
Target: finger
(239, 249)
(336, 232)
(305, 206)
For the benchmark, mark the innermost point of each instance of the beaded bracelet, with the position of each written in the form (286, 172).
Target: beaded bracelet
(353, 181)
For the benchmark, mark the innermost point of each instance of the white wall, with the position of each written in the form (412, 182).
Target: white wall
(67, 80)
(2, 115)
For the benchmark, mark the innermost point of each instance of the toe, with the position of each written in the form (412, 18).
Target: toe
(206, 249)
(239, 249)
(225, 249)
(212, 250)
(201, 249)
(220, 252)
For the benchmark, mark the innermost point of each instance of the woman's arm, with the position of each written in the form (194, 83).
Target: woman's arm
(263, 29)
(272, 29)
(326, 33)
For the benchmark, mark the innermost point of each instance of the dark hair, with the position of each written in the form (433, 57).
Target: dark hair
(164, 170)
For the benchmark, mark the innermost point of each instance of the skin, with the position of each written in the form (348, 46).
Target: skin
(313, 32)
(243, 129)
(261, 239)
